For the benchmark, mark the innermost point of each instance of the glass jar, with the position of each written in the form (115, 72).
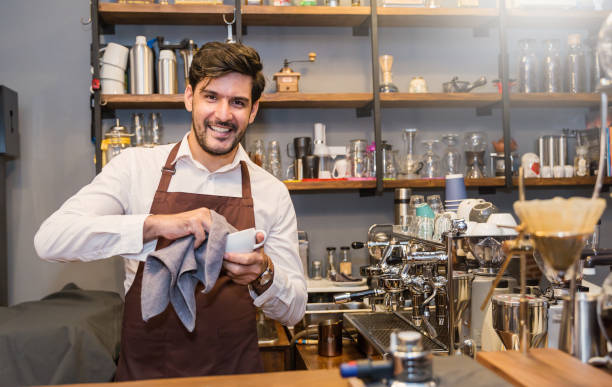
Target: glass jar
(274, 160)
(115, 140)
(576, 65)
(581, 161)
(552, 67)
(431, 161)
(528, 64)
(258, 153)
(345, 263)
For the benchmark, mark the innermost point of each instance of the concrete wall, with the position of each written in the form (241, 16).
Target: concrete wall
(45, 58)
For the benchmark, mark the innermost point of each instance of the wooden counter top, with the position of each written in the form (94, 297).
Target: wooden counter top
(543, 367)
(309, 354)
(320, 378)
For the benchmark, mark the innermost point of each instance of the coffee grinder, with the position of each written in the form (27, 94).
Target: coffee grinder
(487, 249)
(287, 79)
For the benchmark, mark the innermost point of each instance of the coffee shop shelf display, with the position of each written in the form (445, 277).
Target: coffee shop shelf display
(479, 19)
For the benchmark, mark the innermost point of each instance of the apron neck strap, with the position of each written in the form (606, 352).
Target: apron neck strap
(168, 170)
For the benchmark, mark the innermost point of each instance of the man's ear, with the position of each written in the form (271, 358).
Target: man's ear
(254, 110)
(188, 98)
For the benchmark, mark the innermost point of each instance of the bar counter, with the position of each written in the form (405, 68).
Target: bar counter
(320, 378)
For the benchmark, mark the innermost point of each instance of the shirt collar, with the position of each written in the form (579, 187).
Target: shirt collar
(185, 153)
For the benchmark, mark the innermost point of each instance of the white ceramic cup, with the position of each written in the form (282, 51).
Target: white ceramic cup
(486, 229)
(108, 71)
(568, 171)
(558, 171)
(243, 241)
(340, 169)
(116, 54)
(503, 219)
(111, 86)
(466, 207)
(546, 171)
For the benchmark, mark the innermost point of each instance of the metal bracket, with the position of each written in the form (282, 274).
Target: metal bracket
(365, 111)
(366, 192)
(487, 190)
(107, 29)
(363, 29)
(484, 111)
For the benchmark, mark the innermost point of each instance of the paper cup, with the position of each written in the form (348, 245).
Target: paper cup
(455, 187)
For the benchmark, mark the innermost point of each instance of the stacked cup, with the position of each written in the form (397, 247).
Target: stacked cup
(112, 70)
(455, 192)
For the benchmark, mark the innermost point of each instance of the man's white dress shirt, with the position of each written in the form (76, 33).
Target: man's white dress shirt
(106, 217)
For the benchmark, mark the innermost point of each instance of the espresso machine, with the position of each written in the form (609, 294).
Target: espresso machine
(412, 284)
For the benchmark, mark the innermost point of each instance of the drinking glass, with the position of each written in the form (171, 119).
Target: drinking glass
(137, 128)
(435, 203)
(274, 165)
(258, 153)
(152, 132)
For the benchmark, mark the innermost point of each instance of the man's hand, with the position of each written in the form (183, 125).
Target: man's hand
(244, 268)
(174, 226)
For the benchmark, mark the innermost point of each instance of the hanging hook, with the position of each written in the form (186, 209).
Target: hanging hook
(233, 20)
(85, 21)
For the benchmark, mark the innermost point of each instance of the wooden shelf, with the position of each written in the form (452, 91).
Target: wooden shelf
(438, 100)
(317, 16)
(568, 181)
(329, 185)
(439, 183)
(173, 14)
(564, 19)
(554, 100)
(315, 100)
(437, 17)
(270, 101)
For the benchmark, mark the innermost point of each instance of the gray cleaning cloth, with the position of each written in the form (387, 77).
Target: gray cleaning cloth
(171, 274)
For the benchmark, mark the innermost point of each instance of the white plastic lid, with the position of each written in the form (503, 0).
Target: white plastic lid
(167, 54)
(141, 39)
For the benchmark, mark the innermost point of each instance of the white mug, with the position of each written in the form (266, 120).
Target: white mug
(546, 171)
(340, 169)
(116, 55)
(568, 171)
(243, 241)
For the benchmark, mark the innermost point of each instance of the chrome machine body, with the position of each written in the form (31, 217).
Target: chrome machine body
(411, 290)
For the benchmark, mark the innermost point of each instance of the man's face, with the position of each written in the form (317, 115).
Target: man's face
(221, 109)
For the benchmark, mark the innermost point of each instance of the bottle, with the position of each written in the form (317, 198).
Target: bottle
(581, 161)
(141, 67)
(331, 257)
(345, 265)
(552, 67)
(576, 65)
(167, 81)
(528, 64)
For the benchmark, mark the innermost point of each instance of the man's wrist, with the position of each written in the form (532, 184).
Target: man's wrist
(265, 279)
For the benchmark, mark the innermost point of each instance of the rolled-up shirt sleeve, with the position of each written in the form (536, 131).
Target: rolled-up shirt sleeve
(93, 223)
(285, 300)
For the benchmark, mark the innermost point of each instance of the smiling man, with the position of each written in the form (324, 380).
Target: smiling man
(146, 198)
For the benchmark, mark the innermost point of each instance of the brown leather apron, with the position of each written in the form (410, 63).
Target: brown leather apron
(224, 340)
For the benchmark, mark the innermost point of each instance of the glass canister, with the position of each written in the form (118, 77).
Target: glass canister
(431, 161)
(274, 165)
(115, 140)
(451, 160)
(357, 157)
(576, 65)
(528, 64)
(552, 67)
(407, 164)
(581, 161)
(258, 153)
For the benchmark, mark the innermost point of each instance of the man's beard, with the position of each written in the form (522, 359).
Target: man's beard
(201, 137)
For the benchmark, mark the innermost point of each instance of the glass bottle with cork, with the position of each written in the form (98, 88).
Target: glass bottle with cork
(346, 267)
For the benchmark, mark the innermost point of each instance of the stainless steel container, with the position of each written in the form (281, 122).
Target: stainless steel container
(330, 338)
(402, 204)
(552, 150)
(167, 81)
(506, 322)
(141, 67)
(590, 341)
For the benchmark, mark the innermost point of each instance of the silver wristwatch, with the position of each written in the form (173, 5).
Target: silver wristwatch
(260, 284)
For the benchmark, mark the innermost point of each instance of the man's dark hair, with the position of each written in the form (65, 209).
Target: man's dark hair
(216, 59)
